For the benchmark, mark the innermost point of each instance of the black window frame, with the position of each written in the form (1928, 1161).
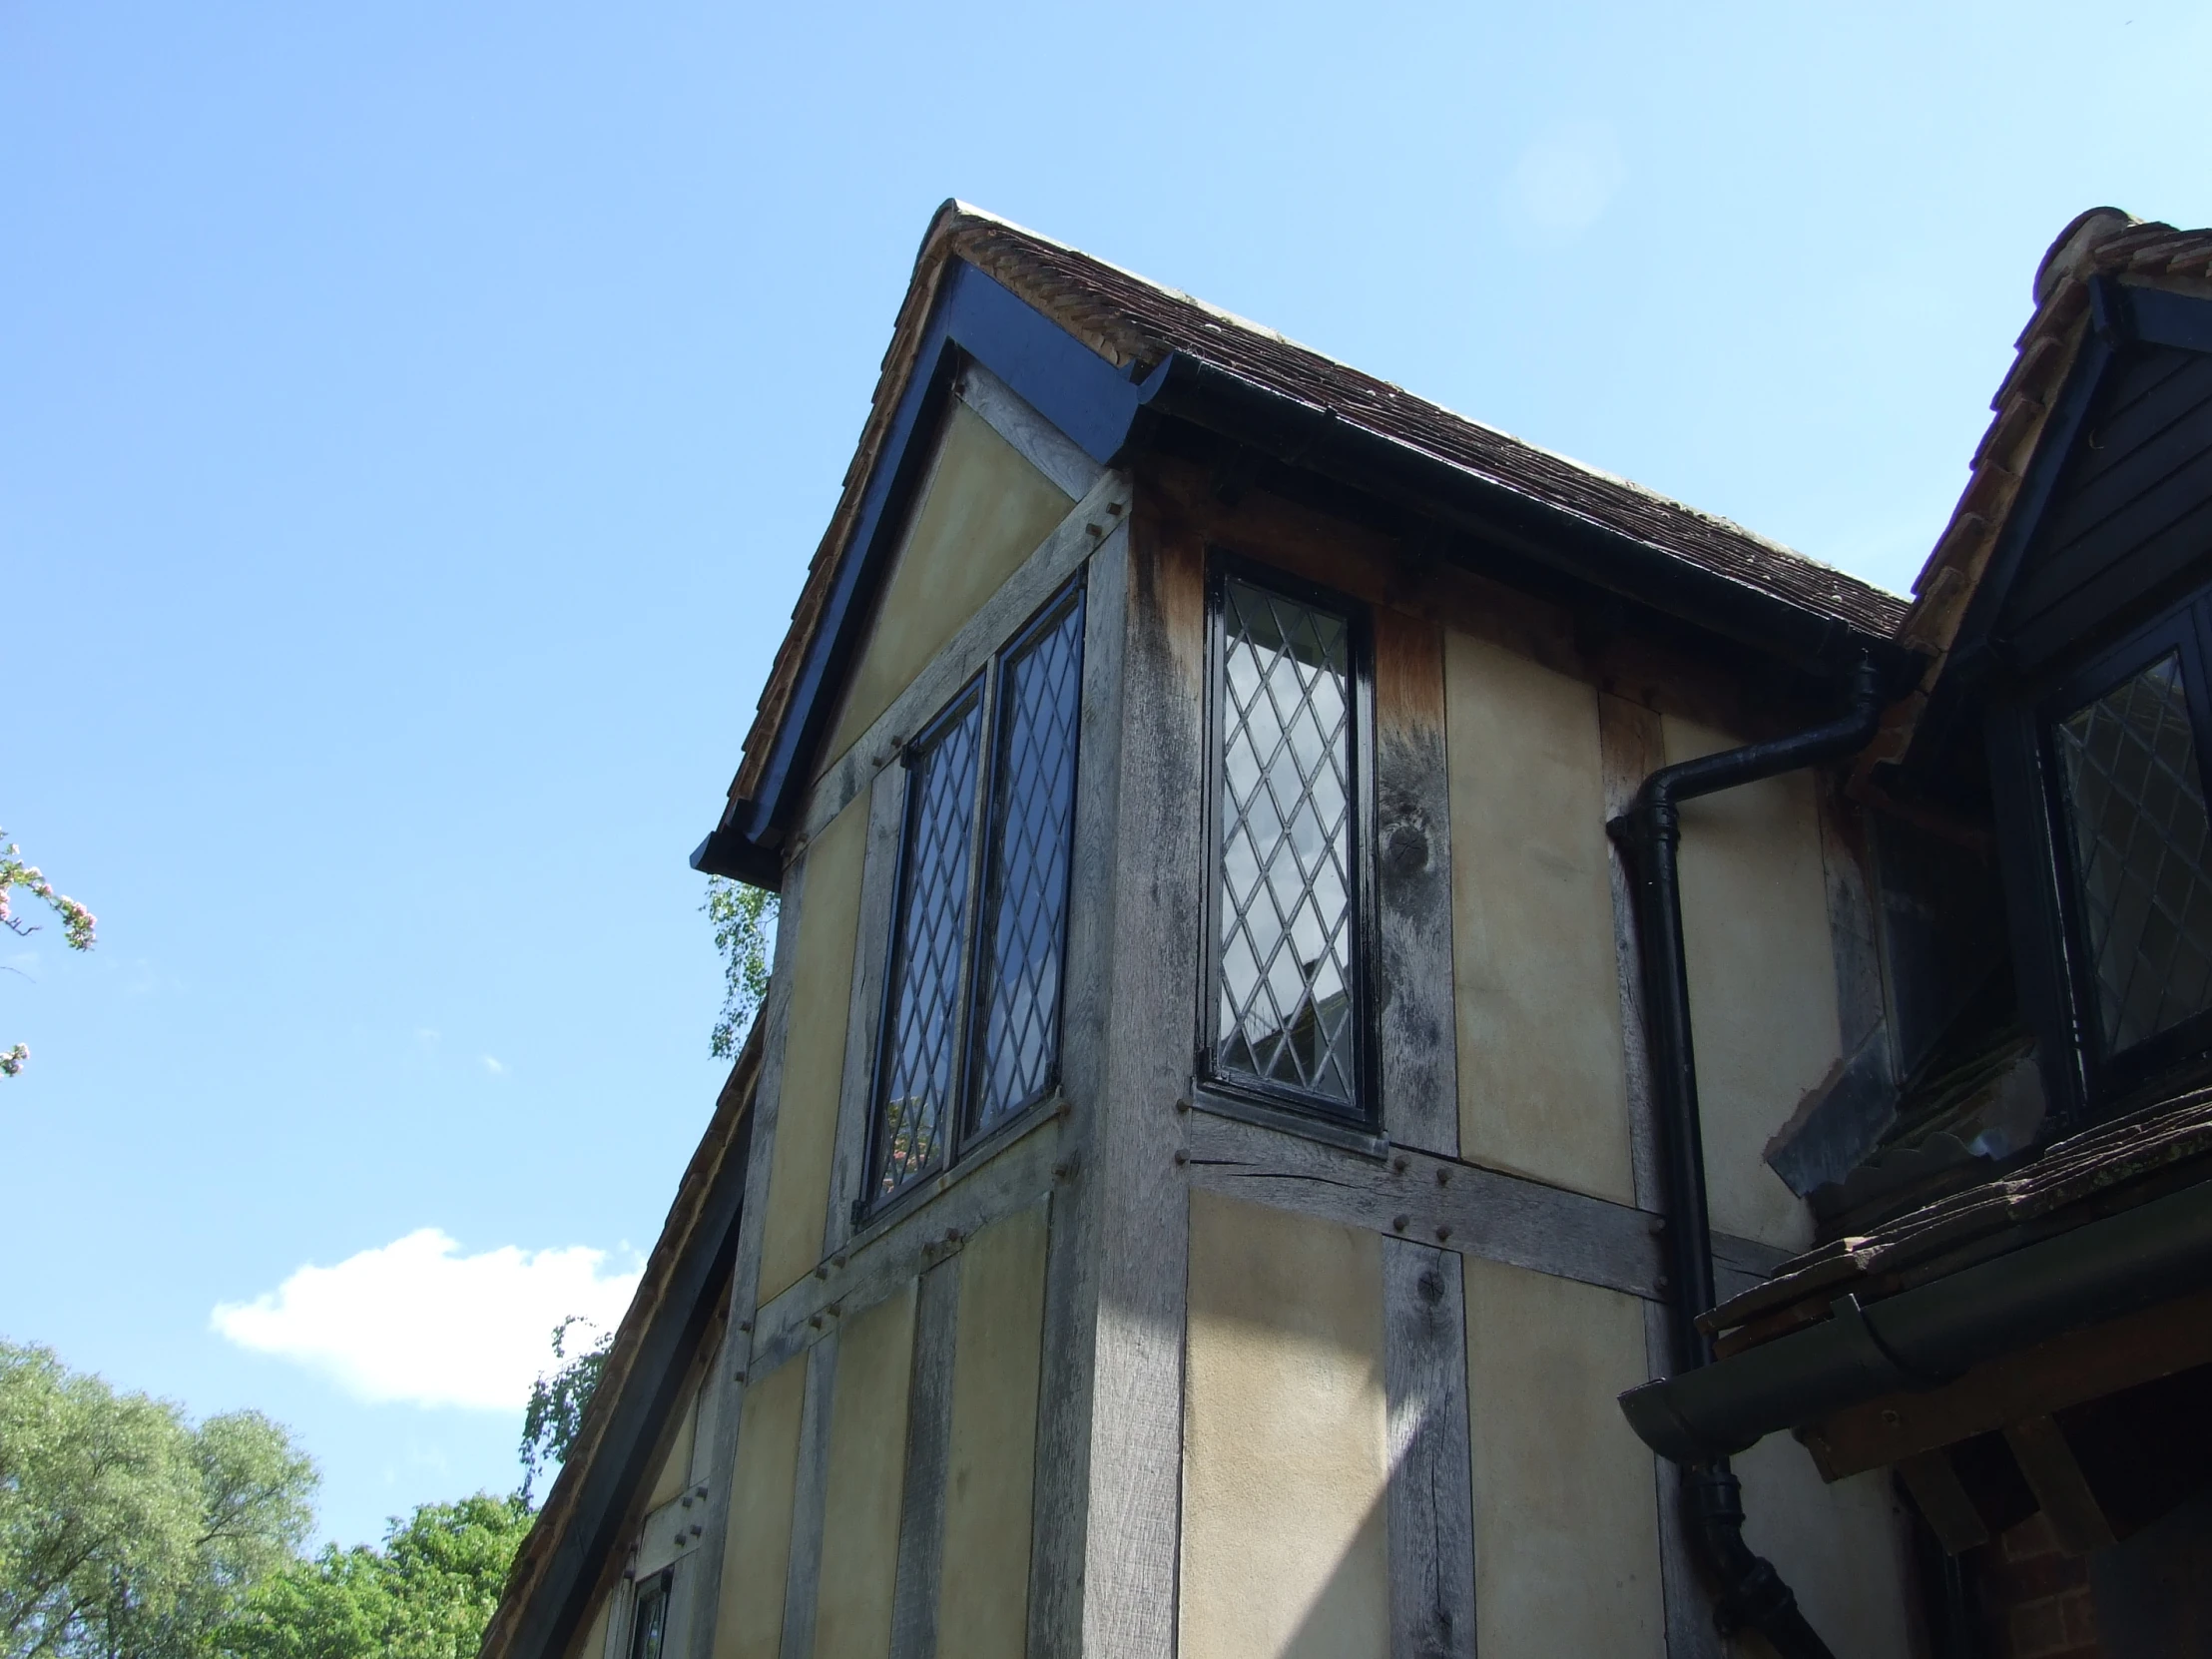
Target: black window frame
(1292, 1106)
(2105, 1076)
(961, 1135)
(651, 1594)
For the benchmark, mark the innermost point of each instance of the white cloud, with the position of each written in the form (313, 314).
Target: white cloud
(415, 1320)
(495, 1067)
(1565, 179)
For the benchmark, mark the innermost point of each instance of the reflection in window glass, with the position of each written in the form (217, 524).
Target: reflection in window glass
(1284, 1014)
(1025, 899)
(929, 941)
(650, 1625)
(2136, 807)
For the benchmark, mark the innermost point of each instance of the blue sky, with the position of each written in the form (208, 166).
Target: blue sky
(415, 420)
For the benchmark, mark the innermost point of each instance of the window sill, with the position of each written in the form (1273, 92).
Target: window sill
(872, 1223)
(1292, 1121)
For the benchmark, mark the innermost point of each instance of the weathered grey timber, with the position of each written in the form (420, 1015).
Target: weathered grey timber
(809, 1491)
(1038, 441)
(892, 1255)
(871, 960)
(1415, 1015)
(1432, 1500)
(1139, 1215)
(1061, 1500)
(1057, 558)
(928, 1435)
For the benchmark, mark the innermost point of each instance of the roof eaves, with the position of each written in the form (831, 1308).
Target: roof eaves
(2102, 241)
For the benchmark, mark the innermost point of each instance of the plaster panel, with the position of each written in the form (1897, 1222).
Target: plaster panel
(984, 510)
(1762, 981)
(866, 1478)
(1566, 1519)
(756, 1551)
(813, 1054)
(1541, 1090)
(675, 1472)
(990, 1467)
(1842, 1549)
(593, 1643)
(1284, 1438)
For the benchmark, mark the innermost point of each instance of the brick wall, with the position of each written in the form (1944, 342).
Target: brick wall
(2034, 1598)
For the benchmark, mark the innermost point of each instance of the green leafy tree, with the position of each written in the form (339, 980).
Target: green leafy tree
(427, 1593)
(77, 926)
(743, 919)
(557, 1400)
(127, 1532)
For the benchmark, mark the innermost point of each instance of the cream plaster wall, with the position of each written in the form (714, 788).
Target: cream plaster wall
(1762, 981)
(675, 1472)
(984, 510)
(1540, 1079)
(748, 1623)
(866, 1477)
(1840, 1547)
(814, 1053)
(990, 1462)
(1566, 1529)
(593, 1643)
(1285, 1450)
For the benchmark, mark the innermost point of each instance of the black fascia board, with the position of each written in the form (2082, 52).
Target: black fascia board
(2121, 314)
(652, 1390)
(1293, 432)
(1932, 1333)
(1092, 402)
(1109, 412)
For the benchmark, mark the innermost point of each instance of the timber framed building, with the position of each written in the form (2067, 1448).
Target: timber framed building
(1363, 1012)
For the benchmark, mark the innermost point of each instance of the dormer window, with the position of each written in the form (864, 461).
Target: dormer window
(2126, 772)
(971, 1027)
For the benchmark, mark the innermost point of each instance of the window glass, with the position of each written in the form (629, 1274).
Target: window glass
(930, 941)
(651, 1623)
(1025, 899)
(1285, 1013)
(1010, 739)
(2136, 805)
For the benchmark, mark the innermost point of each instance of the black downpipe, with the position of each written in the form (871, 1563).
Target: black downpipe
(1650, 832)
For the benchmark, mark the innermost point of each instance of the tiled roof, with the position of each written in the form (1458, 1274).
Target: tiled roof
(2114, 1167)
(2102, 241)
(1129, 320)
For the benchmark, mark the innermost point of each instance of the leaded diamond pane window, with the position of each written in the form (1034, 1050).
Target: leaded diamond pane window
(971, 1027)
(2140, 841)
(930, 940)
(1025, 897)
(1285, 1015)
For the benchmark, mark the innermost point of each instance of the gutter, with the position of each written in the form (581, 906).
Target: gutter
(1297, 433)
(1650, 832)
(1933, 1333)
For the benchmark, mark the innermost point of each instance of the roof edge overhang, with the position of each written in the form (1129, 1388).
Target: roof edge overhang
(2108, 281)
(1108, 409)
(1932, 1333)
(568, 1558)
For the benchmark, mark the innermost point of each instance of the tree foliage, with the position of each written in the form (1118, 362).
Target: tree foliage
(126, 1533)
(77, 924)
(427, 1593)
(743, 919)
(557, 1400)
